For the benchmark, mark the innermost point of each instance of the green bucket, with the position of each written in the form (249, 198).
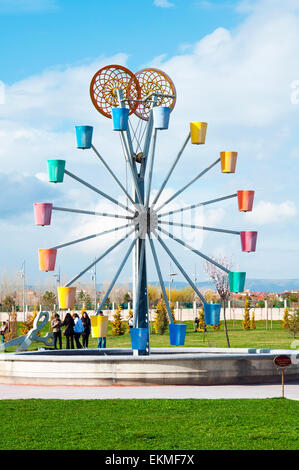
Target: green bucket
(236, 281)
(56, 170)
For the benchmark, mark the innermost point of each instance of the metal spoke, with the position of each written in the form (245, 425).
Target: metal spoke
(190, 183)
(136, 308)
(91, 236)
(160, 279)
(171, 170)
(188, 279)
(113, 175)
(133, 171)
(99, 258)
(193, 206)
(101, 214)
(116, 275)
(194, 250)
(98, 191)
(152, 157)
(200, 227)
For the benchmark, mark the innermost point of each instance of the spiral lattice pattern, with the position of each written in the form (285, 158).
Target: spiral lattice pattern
(151, 80)
(107, 81)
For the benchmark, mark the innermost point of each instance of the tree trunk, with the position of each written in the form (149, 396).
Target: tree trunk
(225, 325)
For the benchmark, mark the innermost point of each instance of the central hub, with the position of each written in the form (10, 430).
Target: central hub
(146, 220)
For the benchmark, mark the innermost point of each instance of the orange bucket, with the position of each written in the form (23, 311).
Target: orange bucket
(228, 161)
(47, 259)
(245, 200)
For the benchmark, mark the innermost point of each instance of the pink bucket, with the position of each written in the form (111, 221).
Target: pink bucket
(42, 213)
(248, 241)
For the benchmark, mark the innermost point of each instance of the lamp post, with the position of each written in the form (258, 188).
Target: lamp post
(94, 279)
(22, 272)
(171, 276)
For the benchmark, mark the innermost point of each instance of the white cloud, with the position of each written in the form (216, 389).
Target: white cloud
(266, 212)
(163, 4)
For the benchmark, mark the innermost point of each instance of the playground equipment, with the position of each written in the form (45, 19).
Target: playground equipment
(150, 95)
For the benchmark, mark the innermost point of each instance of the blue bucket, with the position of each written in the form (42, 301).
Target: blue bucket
(212, 314)
(84, 136)
(177, 334)
(120, 117)
(161, 116)
(139, 338)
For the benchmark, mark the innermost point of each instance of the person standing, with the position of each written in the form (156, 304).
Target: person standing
(102, 339)
(87, 329)
(78, 330)
(69, 324)
(3, 330)
(56, 328)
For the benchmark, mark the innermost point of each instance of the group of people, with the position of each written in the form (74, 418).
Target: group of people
(75, 327)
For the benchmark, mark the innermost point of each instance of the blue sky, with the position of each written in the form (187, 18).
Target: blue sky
(235, 64)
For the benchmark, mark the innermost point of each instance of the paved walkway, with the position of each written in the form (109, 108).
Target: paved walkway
(164, 391)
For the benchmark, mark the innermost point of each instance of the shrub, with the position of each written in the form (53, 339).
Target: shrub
(246, 319)
(161, 318)
(285, 320)
(117, 324)
(252, 322)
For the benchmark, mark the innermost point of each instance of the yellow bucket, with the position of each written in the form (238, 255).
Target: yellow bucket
(198, 132)
(228, 161)
(66, 297)
(98, 326)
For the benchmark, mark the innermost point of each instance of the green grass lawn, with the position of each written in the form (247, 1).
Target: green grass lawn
(149, 424)
(274, 337)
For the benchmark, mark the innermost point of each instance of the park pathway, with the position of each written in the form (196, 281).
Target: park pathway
(15, 392)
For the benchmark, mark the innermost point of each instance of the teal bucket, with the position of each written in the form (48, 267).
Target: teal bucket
(120, 118)
(212, 314)
(177, 334)
(84, 137)
(236, 281)
(56, 170)
(161, 116)
(139, 338)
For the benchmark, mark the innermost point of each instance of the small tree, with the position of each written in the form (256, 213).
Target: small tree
(220, 279)
(293, 322)
(8, 303)
(117, 324)
(201, 317)
(161, 318)
(172, 312)
(252, 321)
(49, 300)
(246, 319)
(285, 320)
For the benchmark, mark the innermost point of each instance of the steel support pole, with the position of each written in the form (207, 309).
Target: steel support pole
(116, 276)
(98, 259)
(160, 279)
(193, 206)
(188, 279)
(189, 184)
(101, 214)
(98, 191)
(210, 260)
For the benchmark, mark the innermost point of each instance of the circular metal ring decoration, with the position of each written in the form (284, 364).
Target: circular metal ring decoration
(104, 84)
(154, 80)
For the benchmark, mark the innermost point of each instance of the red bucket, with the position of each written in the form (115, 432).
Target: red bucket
(245, 200)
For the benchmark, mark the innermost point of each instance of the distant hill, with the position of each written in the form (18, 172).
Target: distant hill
(254, 285)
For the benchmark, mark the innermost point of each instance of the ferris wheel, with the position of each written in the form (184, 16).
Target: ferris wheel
(150, 95)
